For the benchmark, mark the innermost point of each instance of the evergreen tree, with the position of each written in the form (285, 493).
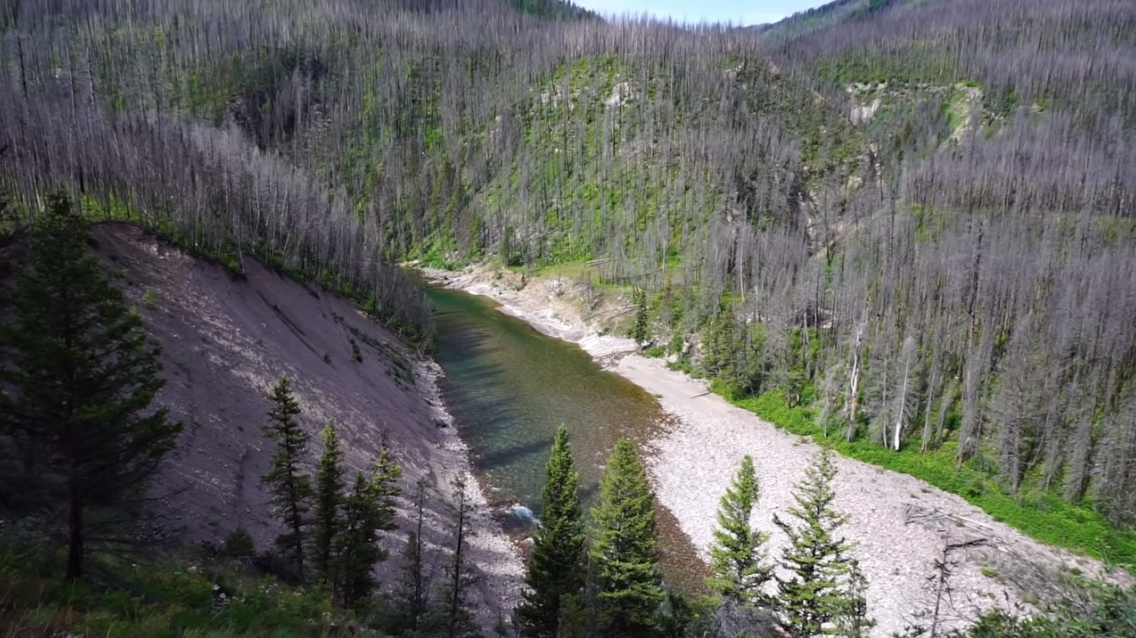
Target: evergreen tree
(642, 321)
(573, 621)
(291, 490)
(623, 548)
(814, 595)
(329, 497)
(357, 548)
(738, 555)
(368, 510)
(852, 621)
(384, 489)
(554, 568)
(79, 383)
(458, 615)
(414, 588)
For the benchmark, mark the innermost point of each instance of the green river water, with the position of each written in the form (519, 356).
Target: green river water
(509, 387)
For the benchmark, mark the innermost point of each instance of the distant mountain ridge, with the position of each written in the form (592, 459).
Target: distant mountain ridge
(827, 15)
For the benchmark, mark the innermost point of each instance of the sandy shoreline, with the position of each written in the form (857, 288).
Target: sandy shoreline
(899, 524)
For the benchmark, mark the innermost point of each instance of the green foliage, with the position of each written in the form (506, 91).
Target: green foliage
(291, 490)
(239, 544)
(1089, 609)
(641, 331)
(555, 567)
(328, 500)
(681, 617)
(623, 547)
(356, 549)
(738, 556)
(552, 9)
(367, 511)
(852, 620)
(82, 374)
(816, 557)
(1046, 517)
(170, 598)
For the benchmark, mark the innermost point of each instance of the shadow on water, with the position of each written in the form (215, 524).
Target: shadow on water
(509, 388)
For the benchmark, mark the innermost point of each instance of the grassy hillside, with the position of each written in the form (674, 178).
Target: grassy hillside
(196, 594)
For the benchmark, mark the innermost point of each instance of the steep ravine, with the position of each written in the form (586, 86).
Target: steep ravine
(899, 524)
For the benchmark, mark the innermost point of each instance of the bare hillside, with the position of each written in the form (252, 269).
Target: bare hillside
(227, 338)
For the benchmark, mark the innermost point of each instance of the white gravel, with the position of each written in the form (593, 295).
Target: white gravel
(899, 524)
(491, 551)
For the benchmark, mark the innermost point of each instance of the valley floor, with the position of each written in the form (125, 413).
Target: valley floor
(900, 524)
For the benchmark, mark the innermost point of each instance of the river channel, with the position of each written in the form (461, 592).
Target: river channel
(509, 387)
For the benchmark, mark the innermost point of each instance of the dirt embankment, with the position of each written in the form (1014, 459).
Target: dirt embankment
(226, 339)
(899, 524)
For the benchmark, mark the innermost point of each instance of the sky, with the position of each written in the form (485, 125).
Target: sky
(743, 12)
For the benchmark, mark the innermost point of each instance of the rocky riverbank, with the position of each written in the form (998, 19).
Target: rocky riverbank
(900, 525)
(490, 549)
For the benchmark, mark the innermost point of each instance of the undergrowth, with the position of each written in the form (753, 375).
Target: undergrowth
(164, 598)
(1043, 516)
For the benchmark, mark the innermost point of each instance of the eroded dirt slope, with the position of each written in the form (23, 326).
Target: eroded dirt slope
(227, 338)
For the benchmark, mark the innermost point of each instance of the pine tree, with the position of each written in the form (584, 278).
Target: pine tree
(642, 320)
(852, 621)
(291, 490)
(357, 548)
(414, 587)
(738, 555)
(80, 380)
(623, 548)
(555, 565)
(458, 615)
(813, 597)
(329, 498)
(367, 511)
(385, 489)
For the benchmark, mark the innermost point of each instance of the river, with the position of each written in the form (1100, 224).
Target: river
(509, 387)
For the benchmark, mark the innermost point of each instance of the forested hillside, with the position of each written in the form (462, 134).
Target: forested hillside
(915, 219)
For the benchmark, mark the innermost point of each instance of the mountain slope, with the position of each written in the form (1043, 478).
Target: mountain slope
(912, 225)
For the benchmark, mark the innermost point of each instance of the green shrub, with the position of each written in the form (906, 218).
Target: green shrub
(1048, 518)
(239, 544)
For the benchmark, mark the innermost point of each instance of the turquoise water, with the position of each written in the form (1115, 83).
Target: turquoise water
(509, 388)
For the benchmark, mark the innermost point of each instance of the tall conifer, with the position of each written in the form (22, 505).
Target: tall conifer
(367, 511)
(80, 380)
(291, 490)
(817, 559)
(329, 498)
(555, 565)
(457, 612)
(738, 555)
(629, 589)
